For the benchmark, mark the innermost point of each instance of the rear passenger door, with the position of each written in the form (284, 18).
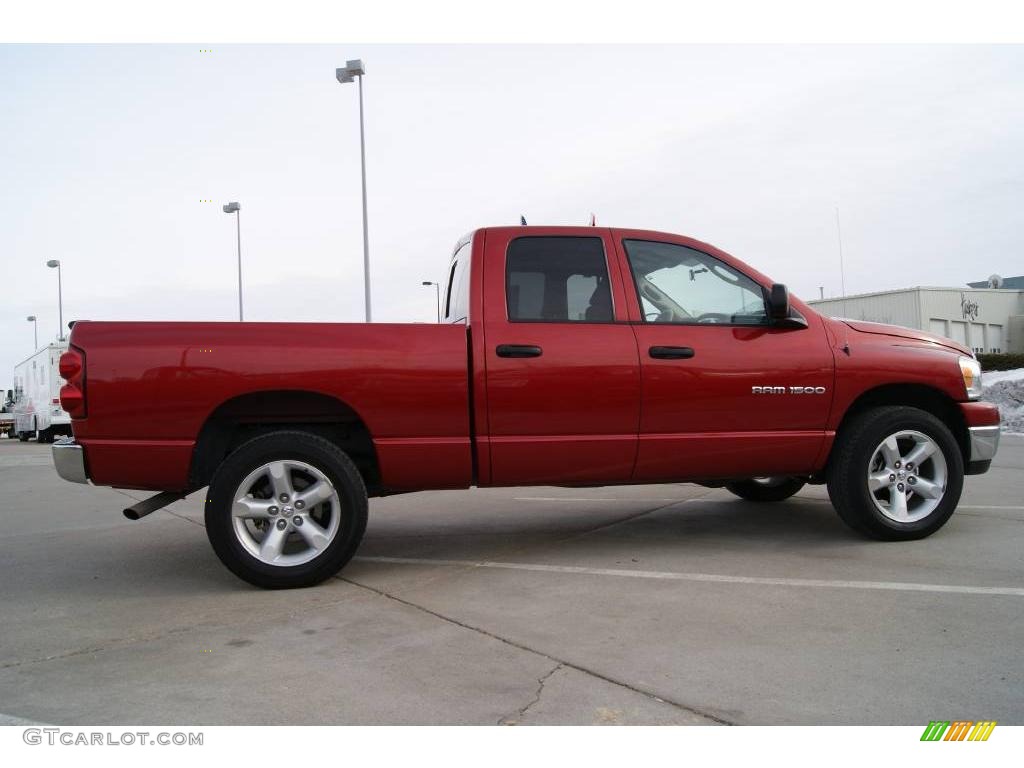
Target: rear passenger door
(563, 374)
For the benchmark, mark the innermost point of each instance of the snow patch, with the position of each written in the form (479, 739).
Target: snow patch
(1006, 390)
(989, 378)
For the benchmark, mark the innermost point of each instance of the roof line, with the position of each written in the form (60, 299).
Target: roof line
(915, 288)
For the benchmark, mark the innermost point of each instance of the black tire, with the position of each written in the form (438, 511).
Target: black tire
(23, 437)
(851, 460)
(766, 489)
(293, 446)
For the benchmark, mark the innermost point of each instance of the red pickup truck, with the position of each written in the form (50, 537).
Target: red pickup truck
(570, 356)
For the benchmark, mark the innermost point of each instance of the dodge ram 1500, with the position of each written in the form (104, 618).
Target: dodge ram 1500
(572, 356)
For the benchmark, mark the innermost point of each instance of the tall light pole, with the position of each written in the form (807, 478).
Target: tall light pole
(842, 270)
(60, 298)
(437, 289)
(35, 330)
(354, 68)
(236, 209)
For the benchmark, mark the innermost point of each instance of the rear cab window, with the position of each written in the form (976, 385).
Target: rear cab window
(557, 280)
(456, 292)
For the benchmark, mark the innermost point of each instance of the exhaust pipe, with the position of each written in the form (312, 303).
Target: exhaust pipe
(152, 504)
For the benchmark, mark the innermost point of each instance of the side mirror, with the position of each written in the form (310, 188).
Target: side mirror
(778, 302)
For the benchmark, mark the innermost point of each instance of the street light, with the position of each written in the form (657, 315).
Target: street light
(437, 288)
(354, 68)
(236, 209)
(35, 330)
(54, 263)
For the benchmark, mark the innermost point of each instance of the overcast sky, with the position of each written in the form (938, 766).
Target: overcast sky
(106, 153)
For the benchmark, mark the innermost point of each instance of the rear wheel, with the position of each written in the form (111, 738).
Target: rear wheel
(896, 474)
(285, 510)
(23, 436)
(766, 488)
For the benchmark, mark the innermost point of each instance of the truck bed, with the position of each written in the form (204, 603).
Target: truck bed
(156, 385)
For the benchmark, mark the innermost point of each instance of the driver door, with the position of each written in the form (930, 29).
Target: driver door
(705, 343)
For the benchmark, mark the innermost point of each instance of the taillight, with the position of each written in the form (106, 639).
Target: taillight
(72, 394)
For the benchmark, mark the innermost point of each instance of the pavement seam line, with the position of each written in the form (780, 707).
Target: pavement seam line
(183, 517)
(632, 517)
(563, 662)
(165, 509)
(518, 715)
(125, 493)
(83, 651)
(19, 722)
(628, 518)
(208, 621)
(568, 537)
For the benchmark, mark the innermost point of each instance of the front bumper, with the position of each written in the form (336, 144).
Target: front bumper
(982, 421)
(984, 442)
(69, 459)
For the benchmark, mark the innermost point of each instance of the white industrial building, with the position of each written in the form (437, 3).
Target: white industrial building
(984, 319)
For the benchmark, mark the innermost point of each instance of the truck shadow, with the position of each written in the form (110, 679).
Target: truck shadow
(172, 560)
(693, 527)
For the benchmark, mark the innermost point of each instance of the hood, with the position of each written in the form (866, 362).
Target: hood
(900, 332)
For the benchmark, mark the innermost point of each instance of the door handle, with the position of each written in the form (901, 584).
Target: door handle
(671, 353)
(518, 350)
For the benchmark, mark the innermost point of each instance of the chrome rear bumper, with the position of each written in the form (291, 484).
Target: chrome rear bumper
(69, 459)
(984, 442)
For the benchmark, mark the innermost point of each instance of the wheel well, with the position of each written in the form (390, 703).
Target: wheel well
(920, 396)
(242, 418)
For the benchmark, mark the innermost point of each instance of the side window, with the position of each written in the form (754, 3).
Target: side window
(448, 291)
(456, 303)
(676, 284)
(557, 280)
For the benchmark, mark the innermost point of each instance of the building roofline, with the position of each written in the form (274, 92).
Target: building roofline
(966, 289)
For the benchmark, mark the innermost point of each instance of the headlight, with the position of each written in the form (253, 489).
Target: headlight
(970, 369)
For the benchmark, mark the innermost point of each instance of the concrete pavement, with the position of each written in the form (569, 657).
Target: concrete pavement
(649, 604)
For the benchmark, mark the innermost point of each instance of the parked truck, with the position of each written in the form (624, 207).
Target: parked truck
(569, 356)
(7, 412)
(37, 384)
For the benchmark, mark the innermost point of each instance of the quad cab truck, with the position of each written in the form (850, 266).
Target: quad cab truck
(568, 356)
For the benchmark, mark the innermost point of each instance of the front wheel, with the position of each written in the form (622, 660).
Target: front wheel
(766, 488)
(287, 509)
(896, 474)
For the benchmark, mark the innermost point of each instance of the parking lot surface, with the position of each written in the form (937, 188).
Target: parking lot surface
(668, 604)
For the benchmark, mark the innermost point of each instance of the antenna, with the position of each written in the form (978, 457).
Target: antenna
(842, 270)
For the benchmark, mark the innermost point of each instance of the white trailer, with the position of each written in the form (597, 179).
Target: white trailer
(37, 383)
